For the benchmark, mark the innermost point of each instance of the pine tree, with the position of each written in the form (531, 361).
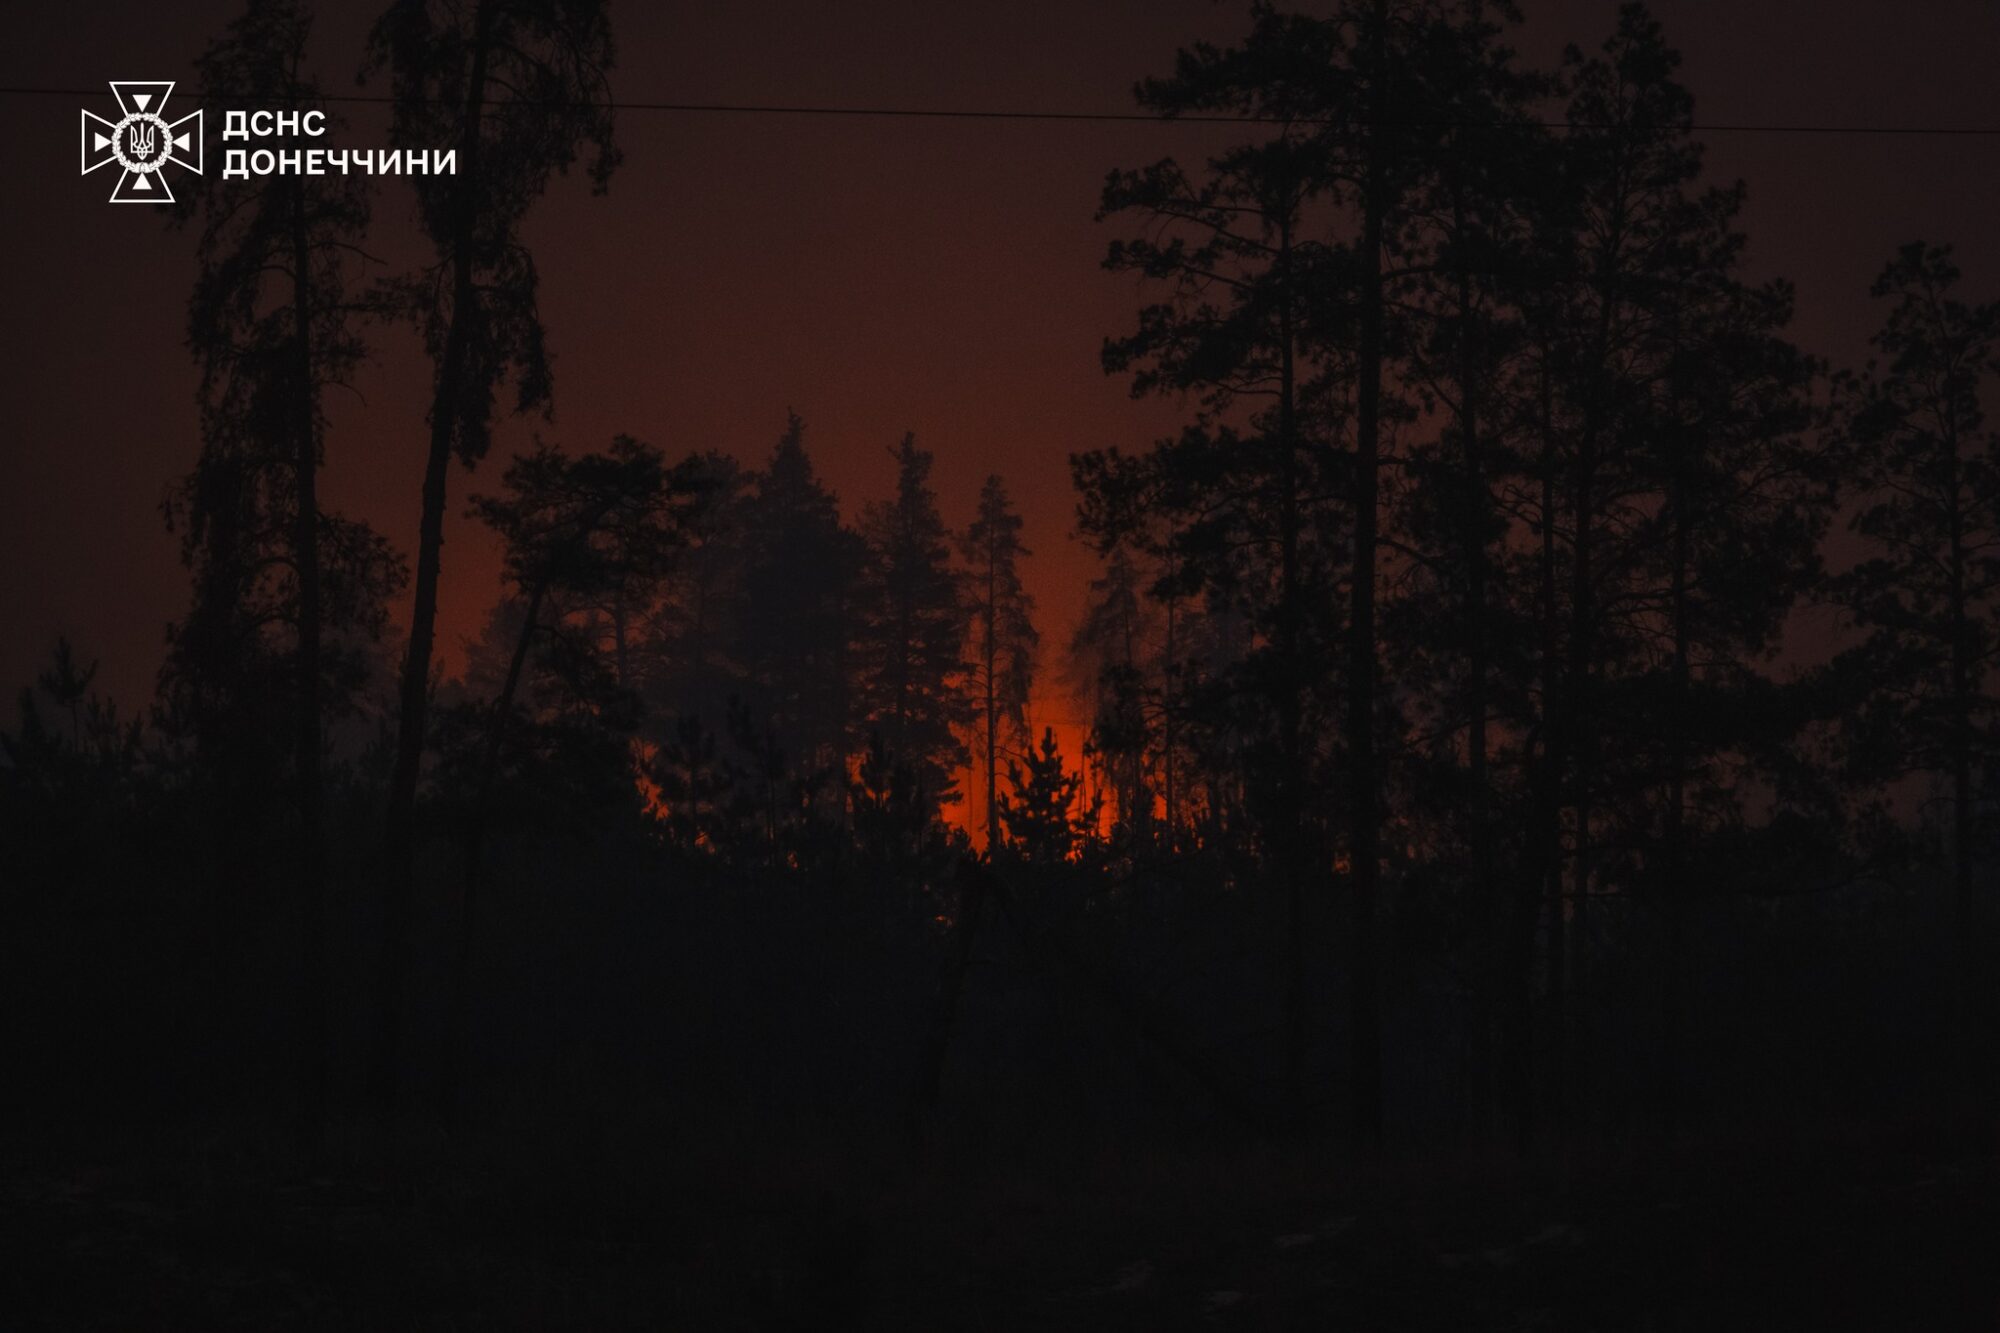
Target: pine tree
(273, 325)
(791, 628)
(910, 637)
(1291, 322)
(1112, 655)
(1046, 817)
(1745, 498)
(1228, 246)
(67, 681)
(896, 831)
(516, 90)
(1668, 514)
(575, 532)
(66, 777)
(1927, 464)
(692, 630)
(1004, 639)
(701, 796)
(1455, 630)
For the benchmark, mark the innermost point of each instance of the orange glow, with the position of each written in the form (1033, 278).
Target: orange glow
(967, 811)
(651, 802)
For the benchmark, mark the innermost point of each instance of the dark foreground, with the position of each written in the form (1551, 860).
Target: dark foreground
(1858, 1229)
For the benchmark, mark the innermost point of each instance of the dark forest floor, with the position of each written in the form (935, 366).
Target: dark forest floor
(1855, 1230)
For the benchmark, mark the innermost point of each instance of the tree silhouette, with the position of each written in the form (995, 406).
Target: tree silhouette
(910, 634)
(273, 326)
(1925, 597)
(701, 791)
(67, 681)
(1284, 261)
(897, 838)
(1469, 251)
(1229, 248)
(55, 781)
(1047, 819)
(517, 90)
(1658, 471)
(1451, 667)
(793, 620)
(575, 532)
(1114, 654)
(1745, 499)
(691, 630)
(1004, 639)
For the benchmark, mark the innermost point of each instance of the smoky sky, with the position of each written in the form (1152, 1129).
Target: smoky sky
(875, 276)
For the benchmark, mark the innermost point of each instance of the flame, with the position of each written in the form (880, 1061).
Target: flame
(966, 811)
(652, 799)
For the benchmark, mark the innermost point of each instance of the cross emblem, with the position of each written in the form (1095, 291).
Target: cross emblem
(142, 142)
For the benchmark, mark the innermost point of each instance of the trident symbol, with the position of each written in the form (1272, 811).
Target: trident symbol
(143, 143)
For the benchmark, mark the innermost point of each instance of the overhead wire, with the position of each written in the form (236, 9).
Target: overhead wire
(1053, 115)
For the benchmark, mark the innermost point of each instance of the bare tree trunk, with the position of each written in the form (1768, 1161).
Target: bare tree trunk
(1544, 848)
(1566, 907)
(1568, 946)
(1167, 737)
(1961, 772)
(305, 557)
(1365, 1033)
(1290, 813)
(1675, 1074)
(399, 837)
(992, 710)
(1473, 519)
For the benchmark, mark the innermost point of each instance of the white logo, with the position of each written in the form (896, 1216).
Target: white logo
(142, 141)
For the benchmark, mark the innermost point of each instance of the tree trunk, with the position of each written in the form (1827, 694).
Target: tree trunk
(399, 837)
(458, 1049)
(1290, 808)
(1473, 520)
(1544, 849)
(305, 555)
(1568, 919)
(1961, 770)
(1167, 737)
(1677, 859)
(992, 710)
(1365, 857)
(621, 646)
(1569, 916)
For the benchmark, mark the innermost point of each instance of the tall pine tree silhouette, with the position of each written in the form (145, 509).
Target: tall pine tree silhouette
(1927, 466)
(1004, 639)
(793, 620)
(518, 90)
(577, 533)
(1227, 247)
(910, 637)
(272, 322)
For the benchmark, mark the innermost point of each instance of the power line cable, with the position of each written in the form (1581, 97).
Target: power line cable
(1130, 117)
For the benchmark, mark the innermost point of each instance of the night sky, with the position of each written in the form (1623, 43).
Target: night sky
(874, 275)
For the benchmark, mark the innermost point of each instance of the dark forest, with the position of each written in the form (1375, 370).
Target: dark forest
(1507, 841)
